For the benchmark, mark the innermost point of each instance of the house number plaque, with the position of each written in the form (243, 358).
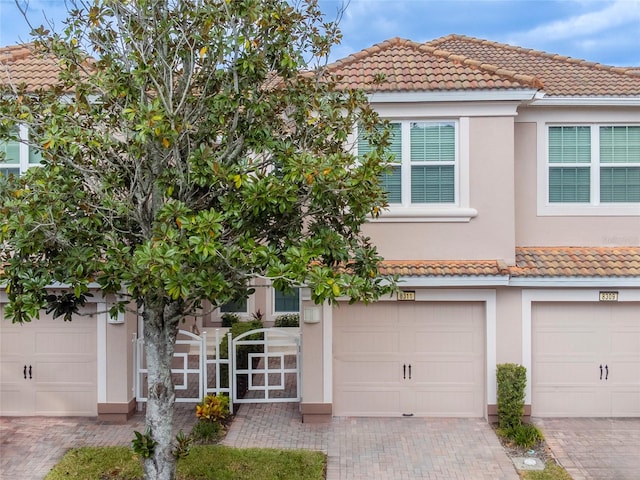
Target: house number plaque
(608, 296)
(406, 296)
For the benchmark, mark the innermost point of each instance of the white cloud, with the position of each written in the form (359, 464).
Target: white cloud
(614, 15)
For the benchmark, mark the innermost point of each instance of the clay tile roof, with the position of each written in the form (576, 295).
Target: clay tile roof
(398, 65)
(443, 268)
(560, 75)
(577, 262)
(20, 64)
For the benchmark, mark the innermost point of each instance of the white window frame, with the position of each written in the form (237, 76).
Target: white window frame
(457, 211)
(279, 312)
(23, 161)
(594, 207)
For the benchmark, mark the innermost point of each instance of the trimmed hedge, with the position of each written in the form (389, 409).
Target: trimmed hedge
(512, 381)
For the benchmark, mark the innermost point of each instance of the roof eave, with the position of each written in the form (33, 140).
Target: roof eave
(604, 282)
(587, 101)
(453, 281)
(513, 95)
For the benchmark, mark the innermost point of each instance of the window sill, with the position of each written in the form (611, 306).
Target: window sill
(425, 214)
(602, 210)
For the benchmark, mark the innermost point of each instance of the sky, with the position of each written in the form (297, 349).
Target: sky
(604, 31)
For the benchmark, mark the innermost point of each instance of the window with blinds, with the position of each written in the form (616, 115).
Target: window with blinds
(287, 301)
(16, 156)
(583, 157)
(423, 170)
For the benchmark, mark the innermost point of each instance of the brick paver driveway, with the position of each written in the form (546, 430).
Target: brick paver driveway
(380, 448)
(595, 448)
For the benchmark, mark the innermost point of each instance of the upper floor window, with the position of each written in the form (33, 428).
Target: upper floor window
(424, 167)
(286, 301)
(427, 179)
(16, 156)
(594, 164)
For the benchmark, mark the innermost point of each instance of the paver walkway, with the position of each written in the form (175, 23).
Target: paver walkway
(380, 448)
(31, 446)
(595, 448)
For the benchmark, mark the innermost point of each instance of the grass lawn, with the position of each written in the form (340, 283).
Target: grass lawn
(204, 462)
(550, 472)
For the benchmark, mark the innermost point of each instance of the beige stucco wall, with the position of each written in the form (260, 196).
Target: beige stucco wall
(490, 235)
(534, 230)
(508, 325)
(120, 359)
(313, 356)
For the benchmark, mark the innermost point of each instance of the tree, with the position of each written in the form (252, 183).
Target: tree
(189, 147)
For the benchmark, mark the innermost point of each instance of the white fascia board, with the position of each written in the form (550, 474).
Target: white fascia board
(453, 96)
(471, 281)
(587, 101)
(604, 282)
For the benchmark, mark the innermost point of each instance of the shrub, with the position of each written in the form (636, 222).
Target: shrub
(512, 380)
(229, 319)
(213, 408)
(287, 320)
(523, 435)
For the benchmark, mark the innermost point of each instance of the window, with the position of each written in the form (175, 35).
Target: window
(239, 306)
(287, 301)
(594, 164)
(423, 171)
(17, 156)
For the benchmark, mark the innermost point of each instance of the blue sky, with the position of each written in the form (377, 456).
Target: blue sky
(605, 31)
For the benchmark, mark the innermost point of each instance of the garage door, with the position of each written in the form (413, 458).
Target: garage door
(409, 358)
(586, 359)
(58, 360)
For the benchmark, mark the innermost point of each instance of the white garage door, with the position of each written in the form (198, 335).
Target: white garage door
(409, 358)
(59, 361)
(586, 359)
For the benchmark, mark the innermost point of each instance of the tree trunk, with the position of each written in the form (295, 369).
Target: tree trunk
(160, 332)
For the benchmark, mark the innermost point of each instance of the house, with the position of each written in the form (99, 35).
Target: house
(514, 226)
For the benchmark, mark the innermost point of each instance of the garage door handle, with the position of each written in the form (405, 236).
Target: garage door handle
(404, 371)
(600, 372)
(606, 368)
(25, 372)
(29, 372)
(409, 371)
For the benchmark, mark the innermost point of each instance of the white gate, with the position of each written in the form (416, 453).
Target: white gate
(266, 366)
(197, 369)
(263, 363)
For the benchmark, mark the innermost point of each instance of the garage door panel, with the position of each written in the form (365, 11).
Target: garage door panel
(69, 372)
(59, 341)
(449, 371)
(570, 343)
(367, 371)
(627, 402)
(443, 343)
(355, 342)
(569, 372)
(447, 402)
(65, 401)
(63, 361)
(372, 402)
(569, 402)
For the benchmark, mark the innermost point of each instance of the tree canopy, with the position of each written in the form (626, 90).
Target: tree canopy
(188, 148)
